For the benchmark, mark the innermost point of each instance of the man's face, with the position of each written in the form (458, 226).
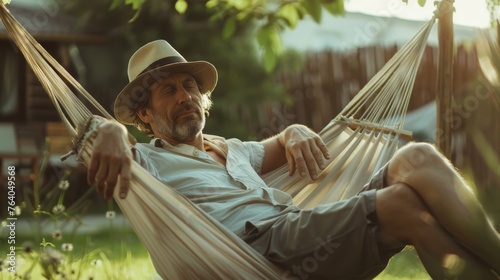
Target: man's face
(176, 108)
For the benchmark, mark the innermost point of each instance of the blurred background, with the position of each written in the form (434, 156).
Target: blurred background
(276, 67)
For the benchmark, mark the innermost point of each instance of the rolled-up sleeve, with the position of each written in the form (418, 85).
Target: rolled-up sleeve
(256, 154)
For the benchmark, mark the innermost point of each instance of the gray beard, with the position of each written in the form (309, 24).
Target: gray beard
(180, 132)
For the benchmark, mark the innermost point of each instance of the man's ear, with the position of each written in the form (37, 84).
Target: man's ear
(145, 115)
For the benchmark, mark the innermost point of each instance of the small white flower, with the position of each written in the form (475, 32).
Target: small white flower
(96, 262)
(67, 247)
(63, 185)
(57, 234)
(17, 210)
(58, 209)
(110, 215)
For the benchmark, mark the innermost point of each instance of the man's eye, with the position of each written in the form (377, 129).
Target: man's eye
(189, 86)
(168, 90)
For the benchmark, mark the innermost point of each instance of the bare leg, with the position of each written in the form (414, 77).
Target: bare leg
(448, 198)
(403, 215)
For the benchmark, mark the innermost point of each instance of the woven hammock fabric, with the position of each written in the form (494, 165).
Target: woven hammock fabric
(185, 243)
(365, 135)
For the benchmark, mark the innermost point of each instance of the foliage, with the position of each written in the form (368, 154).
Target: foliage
(494, 9)
(421, 2)
(269, 17)
(243, 83)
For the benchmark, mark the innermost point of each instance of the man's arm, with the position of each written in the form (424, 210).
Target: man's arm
(111, 159)
(302, 148)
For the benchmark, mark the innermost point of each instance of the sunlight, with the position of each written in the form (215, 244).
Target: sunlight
(468, 12)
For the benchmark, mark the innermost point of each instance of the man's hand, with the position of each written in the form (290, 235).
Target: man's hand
(305, 151)
(111, 158)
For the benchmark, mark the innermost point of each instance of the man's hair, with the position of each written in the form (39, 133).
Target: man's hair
(145, 103)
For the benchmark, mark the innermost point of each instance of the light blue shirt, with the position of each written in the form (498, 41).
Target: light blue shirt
(233, 194)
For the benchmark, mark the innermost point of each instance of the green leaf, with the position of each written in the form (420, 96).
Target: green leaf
(181, 6)
(268, 37)
(244, 14)
(217, 15)
(136, 4)
(313, 7)
(269, 60)
(239, 4)
(115, 4)
(421, 2)
(45, 243)
(229, 28)
(335, 7)
(211, 3)
(290, 14)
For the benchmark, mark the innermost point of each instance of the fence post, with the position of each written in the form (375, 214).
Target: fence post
(444, 87)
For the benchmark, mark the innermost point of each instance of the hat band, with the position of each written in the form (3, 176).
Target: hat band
(162, 62)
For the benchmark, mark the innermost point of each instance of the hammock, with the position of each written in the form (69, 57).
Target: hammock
(185, 243)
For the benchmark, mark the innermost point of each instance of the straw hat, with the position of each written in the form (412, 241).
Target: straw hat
(152, 63)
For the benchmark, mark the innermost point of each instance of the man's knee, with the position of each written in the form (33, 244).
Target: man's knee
(413, 159)
(418, 154)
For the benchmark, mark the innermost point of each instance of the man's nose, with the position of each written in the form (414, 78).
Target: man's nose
(183, 96)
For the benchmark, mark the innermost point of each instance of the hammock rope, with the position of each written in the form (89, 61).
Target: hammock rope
(364, 136)
(185, 243)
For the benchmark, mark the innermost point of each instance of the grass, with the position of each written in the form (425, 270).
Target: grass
(119, 255)
(404, 265)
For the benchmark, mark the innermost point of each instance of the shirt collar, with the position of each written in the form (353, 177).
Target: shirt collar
(180, 148)
(215, 142)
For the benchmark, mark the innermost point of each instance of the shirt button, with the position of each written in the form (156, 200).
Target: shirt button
(195, 153)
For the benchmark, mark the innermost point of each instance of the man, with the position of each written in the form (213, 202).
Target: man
(417, 199)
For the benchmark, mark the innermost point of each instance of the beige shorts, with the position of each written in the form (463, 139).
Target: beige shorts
(331, 241)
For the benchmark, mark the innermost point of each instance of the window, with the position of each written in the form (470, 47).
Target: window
(10, 85)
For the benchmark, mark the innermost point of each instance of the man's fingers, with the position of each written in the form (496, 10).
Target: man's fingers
(112, 175)
(300, 162)
(324, 150)
(92, 170)
(291, 163)
(108, 190)
(125, 176)
(102, 174)
(296, 161)
(310, 163)
(318, 157)
(101, 187)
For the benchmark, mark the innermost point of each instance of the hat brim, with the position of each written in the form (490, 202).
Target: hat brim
(203, 72)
